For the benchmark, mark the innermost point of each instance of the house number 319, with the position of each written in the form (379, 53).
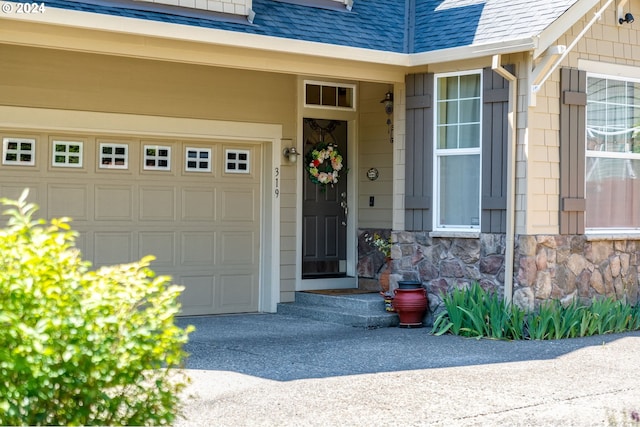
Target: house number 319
(277, 186)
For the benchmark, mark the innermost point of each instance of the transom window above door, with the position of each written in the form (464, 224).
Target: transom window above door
(329, 95)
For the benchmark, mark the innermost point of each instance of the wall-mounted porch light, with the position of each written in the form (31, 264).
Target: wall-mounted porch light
(624, 17)
(291, 154)
(388, 108)
(628, 18)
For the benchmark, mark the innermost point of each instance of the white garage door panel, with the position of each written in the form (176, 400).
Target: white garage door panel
(202, 227)
(160, 244)
(238, 247)
(198, 204)
(67, 200)
(198, 248)
(239, 205)
(113, 203)
(237, 292)
(198, 296)
(13, 190)
(113, 247)
(157, 203)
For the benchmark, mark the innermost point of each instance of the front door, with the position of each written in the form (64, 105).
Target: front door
(324, 209)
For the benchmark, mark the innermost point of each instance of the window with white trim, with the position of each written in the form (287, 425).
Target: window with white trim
(329, 95)
(19, 151)
(457, 150)
(66, 154)
(157, 157)
(236, 161)
(114, 156)
(612, 169)
(197, 159)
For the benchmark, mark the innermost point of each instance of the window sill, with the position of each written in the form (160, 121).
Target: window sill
(632, 235)
(456, 234)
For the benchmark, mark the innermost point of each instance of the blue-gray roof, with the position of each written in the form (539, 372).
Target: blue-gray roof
(401, 26)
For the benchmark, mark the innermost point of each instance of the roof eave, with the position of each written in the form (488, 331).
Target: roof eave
(184, 33)
(164, 30)
(474, 51)
(563, 24)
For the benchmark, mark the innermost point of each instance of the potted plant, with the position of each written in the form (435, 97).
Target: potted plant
(383, 245)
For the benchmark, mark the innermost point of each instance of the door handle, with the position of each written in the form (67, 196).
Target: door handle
(344, 206)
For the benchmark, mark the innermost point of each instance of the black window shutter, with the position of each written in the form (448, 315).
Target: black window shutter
(495, 137)
(573, 102)
(419, 153)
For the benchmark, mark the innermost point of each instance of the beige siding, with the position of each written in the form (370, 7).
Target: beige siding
(375, 151)
(606, 42)
(77, 81)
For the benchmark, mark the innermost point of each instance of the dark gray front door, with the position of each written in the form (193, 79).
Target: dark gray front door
(324, 209)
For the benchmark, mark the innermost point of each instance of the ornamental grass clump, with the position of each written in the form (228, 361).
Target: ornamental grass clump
(82, 347)
(477, 313)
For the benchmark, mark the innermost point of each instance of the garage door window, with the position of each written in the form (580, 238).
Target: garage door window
(67, 154)
(114, 156)
(19, 151)
(198, 159)
(237, 161)
(157, 157)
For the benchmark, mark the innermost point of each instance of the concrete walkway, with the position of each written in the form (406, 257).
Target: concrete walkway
(275, 370)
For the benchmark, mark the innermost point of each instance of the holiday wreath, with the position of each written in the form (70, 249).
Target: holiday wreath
(323, 163)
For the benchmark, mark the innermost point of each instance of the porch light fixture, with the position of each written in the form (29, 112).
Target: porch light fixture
(628, 18)
(623, 17)
(388, 108)
(291, 154)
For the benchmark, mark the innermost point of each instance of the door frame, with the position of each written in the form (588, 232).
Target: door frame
(351, 281)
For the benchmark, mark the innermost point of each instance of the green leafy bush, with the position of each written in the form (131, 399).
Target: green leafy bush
(477, 313)
(82, 347)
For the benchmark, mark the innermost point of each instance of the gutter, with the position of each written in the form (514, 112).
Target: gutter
(512, 141)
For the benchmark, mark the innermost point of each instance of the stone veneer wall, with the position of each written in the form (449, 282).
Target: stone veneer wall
(445, 263)
(546, 266)
(568, 267)
(371, 262)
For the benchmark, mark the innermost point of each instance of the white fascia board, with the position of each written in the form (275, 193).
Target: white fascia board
(164, 30)
(563, 24)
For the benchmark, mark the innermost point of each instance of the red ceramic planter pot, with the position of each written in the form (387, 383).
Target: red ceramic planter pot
(410, 304)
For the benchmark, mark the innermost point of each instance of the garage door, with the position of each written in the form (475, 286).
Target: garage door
(194, 205)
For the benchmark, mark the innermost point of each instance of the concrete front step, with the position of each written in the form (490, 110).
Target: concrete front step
(359, 310)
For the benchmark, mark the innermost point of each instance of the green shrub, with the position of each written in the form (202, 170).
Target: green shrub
(478, 313)
(81, 347)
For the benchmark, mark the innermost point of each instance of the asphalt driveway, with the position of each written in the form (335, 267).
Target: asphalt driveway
(275, 370)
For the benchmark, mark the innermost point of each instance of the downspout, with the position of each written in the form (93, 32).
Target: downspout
(511, 176)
